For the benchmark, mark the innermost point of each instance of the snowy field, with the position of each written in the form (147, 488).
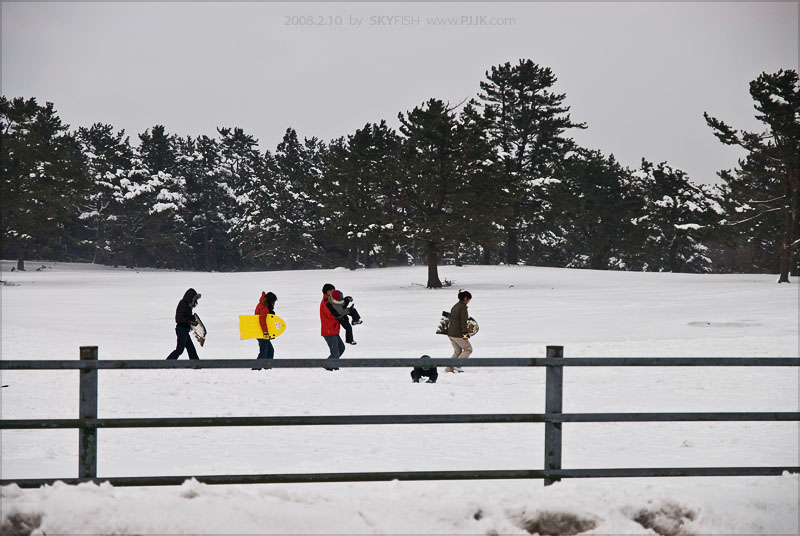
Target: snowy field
(50, 313)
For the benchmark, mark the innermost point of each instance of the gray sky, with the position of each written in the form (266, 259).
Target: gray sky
(640, 74)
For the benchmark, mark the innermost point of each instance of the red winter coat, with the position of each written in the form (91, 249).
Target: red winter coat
(329, 323)
(262, 310)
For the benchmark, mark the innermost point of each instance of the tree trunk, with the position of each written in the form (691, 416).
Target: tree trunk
(487, 256)
(786, 262)
(433, 267)
(597, 261)
(512, 243)
(21, 257)
(673, 258)
(788, 247)
(598, 256)
(129, 255)
(206, 252)
(512, 246)
(790, 219)
(99, 254)
(209, 250)
(352, 256)
(792, 251)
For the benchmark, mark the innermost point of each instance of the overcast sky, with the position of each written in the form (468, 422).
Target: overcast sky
(640, 74)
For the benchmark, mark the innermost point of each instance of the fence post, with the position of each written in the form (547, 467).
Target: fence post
(87, 435)
(553, 404)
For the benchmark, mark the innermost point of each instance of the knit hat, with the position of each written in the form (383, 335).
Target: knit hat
(426, 367)
(336, 297)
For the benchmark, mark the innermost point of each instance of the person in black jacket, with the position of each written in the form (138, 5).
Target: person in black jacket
(425, 370)
(184, 320)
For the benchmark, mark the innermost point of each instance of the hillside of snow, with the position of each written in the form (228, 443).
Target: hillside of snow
(49, 313)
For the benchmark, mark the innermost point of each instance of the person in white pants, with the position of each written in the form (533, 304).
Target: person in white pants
(458, 332)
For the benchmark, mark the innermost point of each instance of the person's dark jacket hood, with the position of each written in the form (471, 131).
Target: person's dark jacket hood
(183, 313)
(189, 295)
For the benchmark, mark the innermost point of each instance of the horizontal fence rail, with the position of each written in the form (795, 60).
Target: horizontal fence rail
(508, 474)
(333, 420)
(88, 422)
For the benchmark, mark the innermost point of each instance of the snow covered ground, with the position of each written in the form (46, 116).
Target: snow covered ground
(50, 313)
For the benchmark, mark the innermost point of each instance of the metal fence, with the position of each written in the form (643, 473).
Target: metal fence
(88, 422)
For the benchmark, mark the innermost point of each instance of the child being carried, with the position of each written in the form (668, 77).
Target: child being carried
(343, 306)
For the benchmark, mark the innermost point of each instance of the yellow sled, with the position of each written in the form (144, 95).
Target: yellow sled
(250, 327)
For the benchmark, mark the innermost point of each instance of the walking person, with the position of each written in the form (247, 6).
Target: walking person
(184, 320)
(266, 306)
(458, 332)
(330, 325)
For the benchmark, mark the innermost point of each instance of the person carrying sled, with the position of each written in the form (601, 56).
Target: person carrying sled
(184, 320)
(266, 306)
(458, 332)
(343, 307)
(425, 370)
(330, 325)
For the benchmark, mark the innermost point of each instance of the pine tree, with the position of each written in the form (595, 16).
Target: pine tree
(447, 172)
(765, 188)
(359, 193)
(109, 161)
(295, 174)
(44, 176)
(678, 215)
(528, 122)
(243, 170)
(211, 203)
(594, 211)
(153, 203)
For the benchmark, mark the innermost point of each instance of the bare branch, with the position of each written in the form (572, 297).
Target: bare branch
(451, 108)
(753, 201)
(756, 216)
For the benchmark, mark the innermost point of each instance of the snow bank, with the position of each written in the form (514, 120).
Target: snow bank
(637, 506)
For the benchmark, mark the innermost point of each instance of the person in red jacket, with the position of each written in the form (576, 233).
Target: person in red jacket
(266, 306)
(330, 325)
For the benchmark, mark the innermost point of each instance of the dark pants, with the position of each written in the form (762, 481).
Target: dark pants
(345, 323)
(348, 329)
(335, 345)
(418, 373)
(265, 349)
(184, 341)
